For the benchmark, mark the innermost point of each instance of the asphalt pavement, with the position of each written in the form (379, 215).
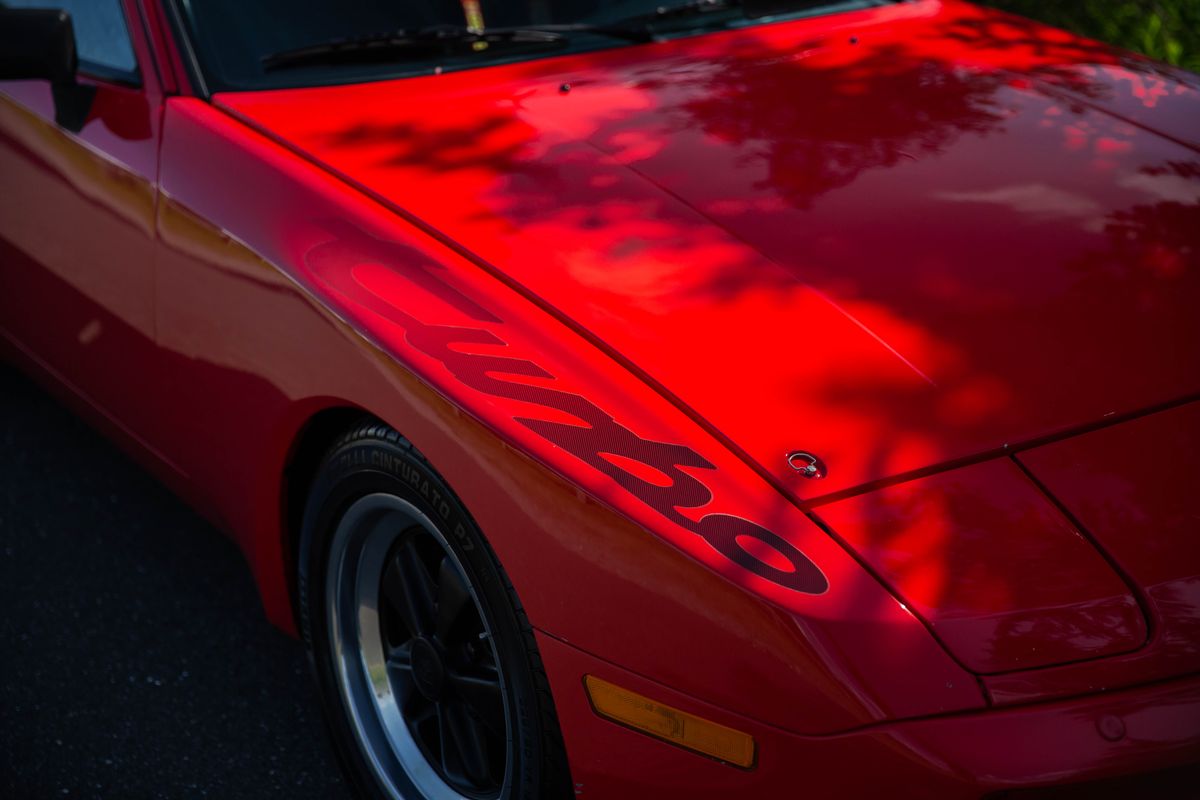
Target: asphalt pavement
(135, 659)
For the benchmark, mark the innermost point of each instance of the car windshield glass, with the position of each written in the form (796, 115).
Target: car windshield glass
(281, 43)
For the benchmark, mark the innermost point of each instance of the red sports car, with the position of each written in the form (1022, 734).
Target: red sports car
(693, 399)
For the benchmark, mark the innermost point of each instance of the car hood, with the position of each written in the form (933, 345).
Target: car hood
(893, 239)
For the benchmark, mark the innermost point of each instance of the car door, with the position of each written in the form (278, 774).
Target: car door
(79, 189)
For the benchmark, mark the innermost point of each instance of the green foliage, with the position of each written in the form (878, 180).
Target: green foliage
(1166, 30)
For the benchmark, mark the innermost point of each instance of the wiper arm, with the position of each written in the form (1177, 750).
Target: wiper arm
(424, 42)
(443, 39)
(410, 43)
(688, 8)
(638, 28)
(695, 8)
(435, 39)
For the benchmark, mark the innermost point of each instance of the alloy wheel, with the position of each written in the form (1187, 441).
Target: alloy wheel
(416, 662)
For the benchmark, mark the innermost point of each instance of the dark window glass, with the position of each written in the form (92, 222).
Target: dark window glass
(101, 35)
(231, 38)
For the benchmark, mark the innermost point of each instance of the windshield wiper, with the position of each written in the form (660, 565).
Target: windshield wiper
(435, 40)
(639, 26)
(410, 43)
(689, 8)
(417, 43)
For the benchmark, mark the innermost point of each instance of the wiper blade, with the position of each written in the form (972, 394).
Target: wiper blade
(688, 8)
(435, 39)
(638, 28)
(410, 43)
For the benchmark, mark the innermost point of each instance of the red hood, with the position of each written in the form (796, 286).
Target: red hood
(894, 238)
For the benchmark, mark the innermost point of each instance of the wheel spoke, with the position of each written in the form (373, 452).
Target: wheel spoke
(399, 667)
(431, 674)
(453, 597)
(470, 741)
(409, 589)
(482, 695)
(400, 657)
(420, 710)
(445, 744)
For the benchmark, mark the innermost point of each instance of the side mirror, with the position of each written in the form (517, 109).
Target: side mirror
(39, 43)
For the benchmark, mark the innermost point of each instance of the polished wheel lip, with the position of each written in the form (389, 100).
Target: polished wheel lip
(359, 552)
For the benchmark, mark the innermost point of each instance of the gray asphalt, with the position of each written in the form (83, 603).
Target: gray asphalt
(135, 660)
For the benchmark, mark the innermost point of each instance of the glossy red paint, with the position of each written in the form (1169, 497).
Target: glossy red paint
(214, 287)
(608, 315)
(1001, 575)
(743, 217)
(961, 757)
(1133, 488)
(100, 185)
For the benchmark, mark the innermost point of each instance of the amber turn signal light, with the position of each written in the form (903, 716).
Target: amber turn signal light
(670, 724)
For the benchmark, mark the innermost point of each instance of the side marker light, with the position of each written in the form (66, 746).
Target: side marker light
(670, 724)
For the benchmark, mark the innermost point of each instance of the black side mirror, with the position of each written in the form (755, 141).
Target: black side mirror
(39, 43)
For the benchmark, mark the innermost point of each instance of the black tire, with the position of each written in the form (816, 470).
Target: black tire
(373, 461)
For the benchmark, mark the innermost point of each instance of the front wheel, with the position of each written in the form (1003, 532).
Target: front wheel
(429, 673)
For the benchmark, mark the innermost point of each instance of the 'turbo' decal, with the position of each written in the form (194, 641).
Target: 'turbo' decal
(333, 263)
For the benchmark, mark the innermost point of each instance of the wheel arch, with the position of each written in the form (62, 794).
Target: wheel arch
(316, 432)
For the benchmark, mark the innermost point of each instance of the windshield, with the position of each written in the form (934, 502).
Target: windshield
(254, 45)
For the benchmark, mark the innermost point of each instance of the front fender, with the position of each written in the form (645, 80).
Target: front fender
(627, 528)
